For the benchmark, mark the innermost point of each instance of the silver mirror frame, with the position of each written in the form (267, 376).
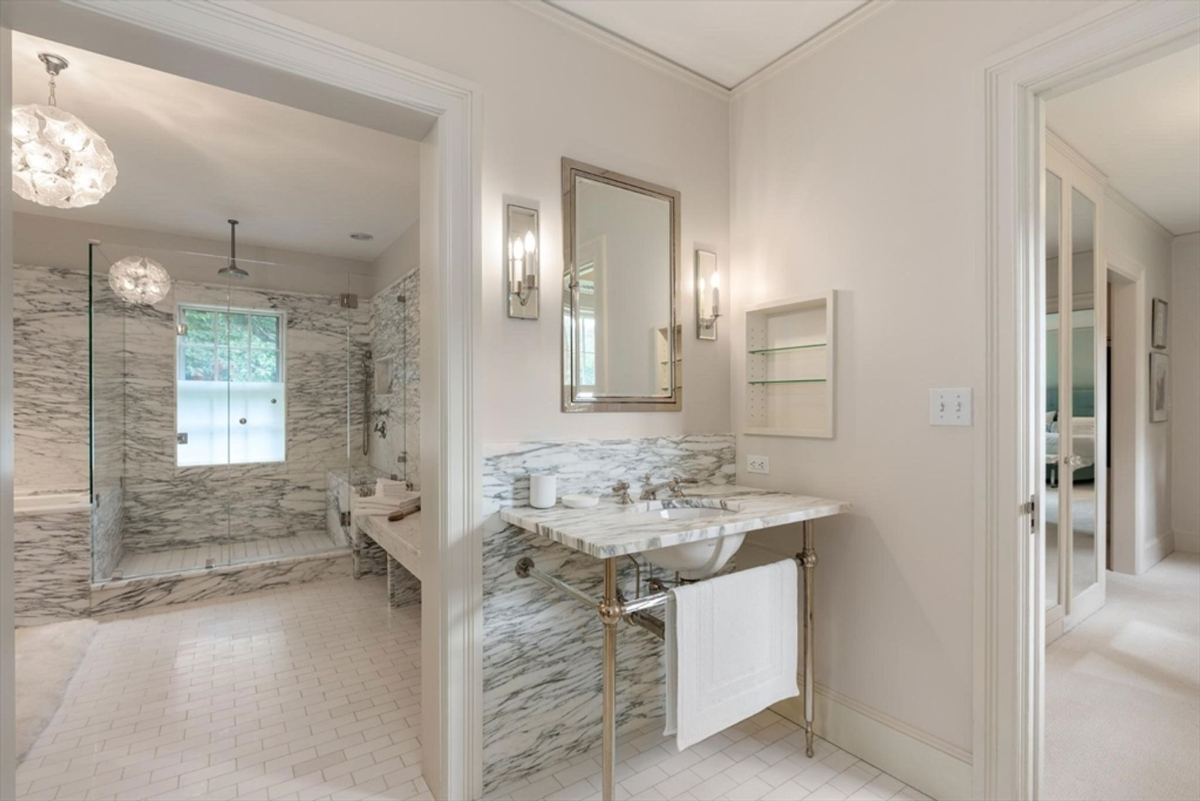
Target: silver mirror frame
(571, 402)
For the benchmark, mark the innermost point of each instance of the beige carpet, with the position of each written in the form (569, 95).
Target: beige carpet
(1123, 692)
(47, 658)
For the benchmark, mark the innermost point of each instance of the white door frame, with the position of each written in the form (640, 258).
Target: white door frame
(1008, 604)
(452, 652)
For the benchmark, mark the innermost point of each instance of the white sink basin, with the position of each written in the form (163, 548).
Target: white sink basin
(692, 560)
(689, 513)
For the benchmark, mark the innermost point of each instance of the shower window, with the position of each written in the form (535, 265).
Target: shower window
(230, 386)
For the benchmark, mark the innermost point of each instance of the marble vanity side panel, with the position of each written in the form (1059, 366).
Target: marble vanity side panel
(403, 587)
(52, 566)
(166, 590)
(542, 652)
(396, 415)
(50, 379)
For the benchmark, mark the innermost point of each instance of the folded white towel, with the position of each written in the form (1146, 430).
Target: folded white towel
(391, 488)
(731, 649)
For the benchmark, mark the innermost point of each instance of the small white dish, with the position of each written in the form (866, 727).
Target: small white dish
(580, 501)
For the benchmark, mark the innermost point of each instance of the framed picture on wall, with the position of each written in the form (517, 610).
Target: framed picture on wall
(1160, 387)
(1158, 324)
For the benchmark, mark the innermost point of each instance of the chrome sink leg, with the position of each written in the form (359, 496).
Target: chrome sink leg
(610, 614)
(808, 560)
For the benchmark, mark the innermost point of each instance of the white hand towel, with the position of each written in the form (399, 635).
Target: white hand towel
(731, 649)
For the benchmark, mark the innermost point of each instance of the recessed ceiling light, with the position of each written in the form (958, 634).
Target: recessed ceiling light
(361, 237)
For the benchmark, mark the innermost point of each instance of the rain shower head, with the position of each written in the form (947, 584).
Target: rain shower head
(232, 270)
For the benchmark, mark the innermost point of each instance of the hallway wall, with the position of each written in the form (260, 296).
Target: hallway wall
(1184, 341)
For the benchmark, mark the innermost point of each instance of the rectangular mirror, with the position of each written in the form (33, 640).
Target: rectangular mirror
(620, 287)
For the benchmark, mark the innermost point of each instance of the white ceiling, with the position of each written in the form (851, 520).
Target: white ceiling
(1141, 128)
(191, 155)
(725, 41)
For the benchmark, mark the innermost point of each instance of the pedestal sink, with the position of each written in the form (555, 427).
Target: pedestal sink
(691, 560)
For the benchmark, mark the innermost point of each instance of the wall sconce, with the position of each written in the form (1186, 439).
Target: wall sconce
(708, 295)
(521, 260)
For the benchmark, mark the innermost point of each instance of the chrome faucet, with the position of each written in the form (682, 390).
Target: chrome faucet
(650, 490)
(621, 489)
(676, 490)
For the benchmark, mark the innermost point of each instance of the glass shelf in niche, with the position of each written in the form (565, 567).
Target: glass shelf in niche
(789, 381)
(787, 348)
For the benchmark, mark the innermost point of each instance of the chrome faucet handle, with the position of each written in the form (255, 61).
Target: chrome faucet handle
(621, 489)
(676, 489)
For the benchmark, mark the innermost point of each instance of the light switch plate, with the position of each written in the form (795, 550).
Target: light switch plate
(758, 464)
(950, 407)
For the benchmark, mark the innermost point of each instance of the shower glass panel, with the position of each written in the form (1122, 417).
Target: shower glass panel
(221, 414)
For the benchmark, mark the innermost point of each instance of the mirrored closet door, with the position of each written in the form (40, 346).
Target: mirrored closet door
(1073, 497)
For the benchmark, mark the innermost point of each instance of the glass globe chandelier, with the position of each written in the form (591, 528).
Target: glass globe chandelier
(56, 159)
(137, 279)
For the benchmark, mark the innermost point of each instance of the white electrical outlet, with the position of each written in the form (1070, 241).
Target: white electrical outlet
(950, 407)
(758, 464)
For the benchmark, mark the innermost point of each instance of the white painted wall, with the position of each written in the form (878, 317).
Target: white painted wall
(1129, 234)
(859, 168)
(549, 93)
(398, 259)
(1184, 347)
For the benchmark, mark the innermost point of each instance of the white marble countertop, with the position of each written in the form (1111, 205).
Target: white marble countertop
(610, 529)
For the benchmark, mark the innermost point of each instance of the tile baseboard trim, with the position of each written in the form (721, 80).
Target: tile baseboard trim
(931, 765)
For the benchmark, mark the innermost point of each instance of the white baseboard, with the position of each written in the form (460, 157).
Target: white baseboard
(1157, 549)
(933, 766)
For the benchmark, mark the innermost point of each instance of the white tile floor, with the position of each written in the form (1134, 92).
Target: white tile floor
(304, 692)
(760, 758)
(313, 692)
(147, 563)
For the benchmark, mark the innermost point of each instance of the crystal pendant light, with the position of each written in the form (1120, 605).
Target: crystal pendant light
(57, 160)
(137, 279)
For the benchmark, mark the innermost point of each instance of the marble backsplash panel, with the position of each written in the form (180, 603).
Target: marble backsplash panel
(542, 652)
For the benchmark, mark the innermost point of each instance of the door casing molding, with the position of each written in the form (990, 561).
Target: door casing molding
(1008, 599)
(452, 651)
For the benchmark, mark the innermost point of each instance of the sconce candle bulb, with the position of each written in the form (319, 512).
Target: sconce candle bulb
(708, 309)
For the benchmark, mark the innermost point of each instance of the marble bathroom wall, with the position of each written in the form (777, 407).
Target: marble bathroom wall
(50, 379)
(167, 506)
(396, 415)
(542, 652)
(52, 566)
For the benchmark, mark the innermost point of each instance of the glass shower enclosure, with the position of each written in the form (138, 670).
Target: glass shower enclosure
(226, 416)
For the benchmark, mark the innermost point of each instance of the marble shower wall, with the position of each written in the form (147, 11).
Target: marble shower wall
(50, 379)
(396, 415)
(542, 652)
(168, 506)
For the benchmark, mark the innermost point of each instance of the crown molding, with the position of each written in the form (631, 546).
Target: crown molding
(811, 45)
(568, 21)
(1154, 225)
(617, 43)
